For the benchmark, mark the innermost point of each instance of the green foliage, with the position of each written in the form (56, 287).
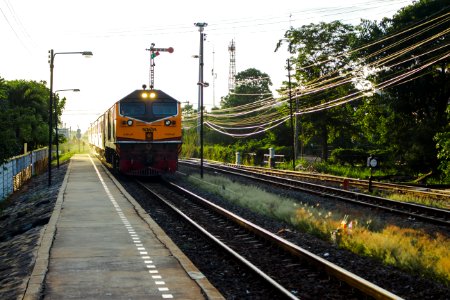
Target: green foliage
(24, 115)
(349, 156)
(443, 146)
(220, 153)
(251, 85)
(252, 150)
(404, 118)
(8, 145)
(189, 147)
(324, 42)
(70, 148)
(360, 171)
(358, 157)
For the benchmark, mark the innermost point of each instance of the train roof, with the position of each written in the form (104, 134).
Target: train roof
(137, 94)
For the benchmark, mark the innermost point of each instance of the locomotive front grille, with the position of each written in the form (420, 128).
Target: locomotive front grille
(149, 171)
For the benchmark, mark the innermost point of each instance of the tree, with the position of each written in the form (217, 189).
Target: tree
(251, 85)
(28, 101)
(405, 117)
(317, 49)
(24, 114)
(443, 146)
(8, 145)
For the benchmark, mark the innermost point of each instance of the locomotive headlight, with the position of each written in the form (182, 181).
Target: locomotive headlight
(167, 122)
(149, 95)
(130, 122)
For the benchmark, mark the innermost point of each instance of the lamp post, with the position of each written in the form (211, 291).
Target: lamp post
(51, 59)
(201, 84)
(56, 121)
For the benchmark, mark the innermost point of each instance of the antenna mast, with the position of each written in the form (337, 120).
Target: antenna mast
(232, 73)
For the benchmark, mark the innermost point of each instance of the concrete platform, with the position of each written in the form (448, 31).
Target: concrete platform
(100, 244)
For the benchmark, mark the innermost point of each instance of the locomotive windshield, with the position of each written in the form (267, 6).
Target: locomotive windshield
(162, 109)
(148, 110)
(132, 109)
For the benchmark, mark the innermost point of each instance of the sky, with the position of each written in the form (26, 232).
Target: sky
(119, 32)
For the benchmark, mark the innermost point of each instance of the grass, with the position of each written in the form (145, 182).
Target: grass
(409, 249)
(361, 172)
(69, 149)
(444, 203)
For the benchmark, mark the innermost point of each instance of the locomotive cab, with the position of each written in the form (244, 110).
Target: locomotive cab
(142, 133)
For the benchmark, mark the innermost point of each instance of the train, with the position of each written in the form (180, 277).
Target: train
(139, 135)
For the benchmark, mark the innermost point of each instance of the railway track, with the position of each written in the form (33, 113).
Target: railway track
(298, 273)
(411, 210)
(434, 195)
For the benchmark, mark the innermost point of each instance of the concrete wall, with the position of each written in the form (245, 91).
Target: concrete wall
(17, 170)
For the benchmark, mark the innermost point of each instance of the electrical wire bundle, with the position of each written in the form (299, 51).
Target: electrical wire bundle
(401, 57)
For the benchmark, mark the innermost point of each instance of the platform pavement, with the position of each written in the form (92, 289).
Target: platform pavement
(100, 244)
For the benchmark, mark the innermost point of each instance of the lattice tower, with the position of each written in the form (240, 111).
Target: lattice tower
(232, 73)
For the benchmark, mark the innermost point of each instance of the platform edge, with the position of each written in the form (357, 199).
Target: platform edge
(207, 288)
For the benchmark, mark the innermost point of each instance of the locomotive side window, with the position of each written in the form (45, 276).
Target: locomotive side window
(132, 109)
(161, 109)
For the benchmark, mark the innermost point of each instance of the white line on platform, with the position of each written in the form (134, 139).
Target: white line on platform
(134, 237)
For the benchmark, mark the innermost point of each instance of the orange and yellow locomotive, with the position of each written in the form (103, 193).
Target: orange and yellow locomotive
(140, 134)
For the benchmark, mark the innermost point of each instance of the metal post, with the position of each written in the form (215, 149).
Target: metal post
(238, 158)
(56, 132)
(50, 126)
(296, 134)
(214, 76)
(201, 27)
(50, 123)
(271, 157)
(152, 67)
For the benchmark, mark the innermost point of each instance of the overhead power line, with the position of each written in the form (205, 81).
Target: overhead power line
(254, 118)
(15, 22)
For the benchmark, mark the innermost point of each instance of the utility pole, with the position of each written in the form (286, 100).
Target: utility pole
(201, 84)
(292, 119)
(214, 76)
(50, 123)
(296, 133)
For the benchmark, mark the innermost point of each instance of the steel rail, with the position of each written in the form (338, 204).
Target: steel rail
(236, 255)
(433, 215)
(434, 194)
(400, 188)
(331, 269)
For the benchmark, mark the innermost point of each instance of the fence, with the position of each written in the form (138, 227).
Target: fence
(15, 172)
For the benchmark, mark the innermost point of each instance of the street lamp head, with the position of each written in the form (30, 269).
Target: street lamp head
(67, 90)
(87, 53)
